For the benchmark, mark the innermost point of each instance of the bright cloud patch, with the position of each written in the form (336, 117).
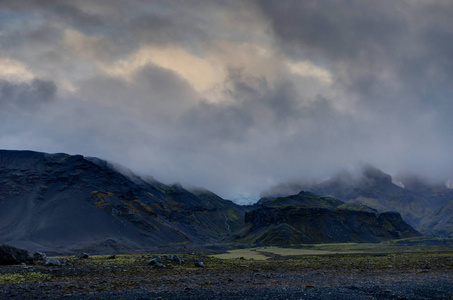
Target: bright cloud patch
(308, 69)
(13, 70)
(201, 74)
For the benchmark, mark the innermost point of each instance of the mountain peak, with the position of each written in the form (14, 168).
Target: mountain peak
(56, 201)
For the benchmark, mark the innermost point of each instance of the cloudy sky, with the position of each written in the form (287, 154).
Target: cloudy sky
(234, 96)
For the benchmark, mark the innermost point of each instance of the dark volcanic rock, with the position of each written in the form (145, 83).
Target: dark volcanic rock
(97, 200)
(176, 259)
(200, 264)
(10, 255)
(82, 255)
(156, 262)
(53, 262)
(39, 256)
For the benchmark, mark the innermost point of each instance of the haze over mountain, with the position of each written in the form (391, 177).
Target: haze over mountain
(63, 203)
(235, 96)
(59, 202)
(306, 218)
(425, 205)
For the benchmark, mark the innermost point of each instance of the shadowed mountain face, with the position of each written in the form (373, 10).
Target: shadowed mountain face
(308, 218)
(427, 207)
(62, 203)
(55, 202)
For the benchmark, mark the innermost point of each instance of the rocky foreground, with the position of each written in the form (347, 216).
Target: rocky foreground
(192, 276)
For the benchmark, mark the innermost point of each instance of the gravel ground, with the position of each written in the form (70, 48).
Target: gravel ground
(328, 278)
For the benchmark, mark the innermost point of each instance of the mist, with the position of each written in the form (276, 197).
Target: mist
(235, 97)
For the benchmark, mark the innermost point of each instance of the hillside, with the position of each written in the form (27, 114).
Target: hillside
(425, 206)
(58, 202)
(62, 203)
(306, 218)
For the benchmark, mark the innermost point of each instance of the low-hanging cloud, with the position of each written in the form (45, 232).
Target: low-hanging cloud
(235, 96)
(25, 96)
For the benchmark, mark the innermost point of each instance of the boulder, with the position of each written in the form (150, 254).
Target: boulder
(39, 256)
(200, 264)
(176, 259)
(82, 255)
(53, 262)
(10, 255)
(156, 262)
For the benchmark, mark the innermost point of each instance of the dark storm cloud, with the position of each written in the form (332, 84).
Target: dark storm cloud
(26, 96)
(412, 39)
(154, 93)
(272, 91)
(395, 57)
(337, 29)
(61, 11)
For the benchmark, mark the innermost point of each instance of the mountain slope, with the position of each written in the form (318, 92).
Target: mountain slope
(440, 222)
(308, 218)
(56, 201)
(424, 206)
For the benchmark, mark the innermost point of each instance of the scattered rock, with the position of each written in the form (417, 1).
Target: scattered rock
(176, 259)
(82, 255)
(156, 262)
(53, 262)
(39, 256)
(10, 255)
(24, 265)
(200, 264)
(155, 259)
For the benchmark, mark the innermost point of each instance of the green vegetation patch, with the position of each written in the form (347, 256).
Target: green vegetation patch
(245, 253)
(263, 253)
(102, 199)
(23, 278)
(413, 245)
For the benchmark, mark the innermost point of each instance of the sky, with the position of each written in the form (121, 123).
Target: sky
(234, 96)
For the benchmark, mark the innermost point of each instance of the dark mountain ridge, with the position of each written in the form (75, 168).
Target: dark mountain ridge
(62, 203)
(55, 200)
(426, 206)
(307, 218)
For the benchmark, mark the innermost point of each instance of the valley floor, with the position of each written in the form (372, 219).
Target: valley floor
(421, 275)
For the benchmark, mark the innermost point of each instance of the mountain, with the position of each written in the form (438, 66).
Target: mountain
(425, 206)
(58, 202)
(440, 222)
(61, 203)
(307, 218)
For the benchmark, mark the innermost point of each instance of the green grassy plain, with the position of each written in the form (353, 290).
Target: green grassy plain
(413, 245)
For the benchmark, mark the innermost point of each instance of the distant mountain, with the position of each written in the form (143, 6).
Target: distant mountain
(440, 222)
(58, 202)
(425, 206)
(308, 218)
